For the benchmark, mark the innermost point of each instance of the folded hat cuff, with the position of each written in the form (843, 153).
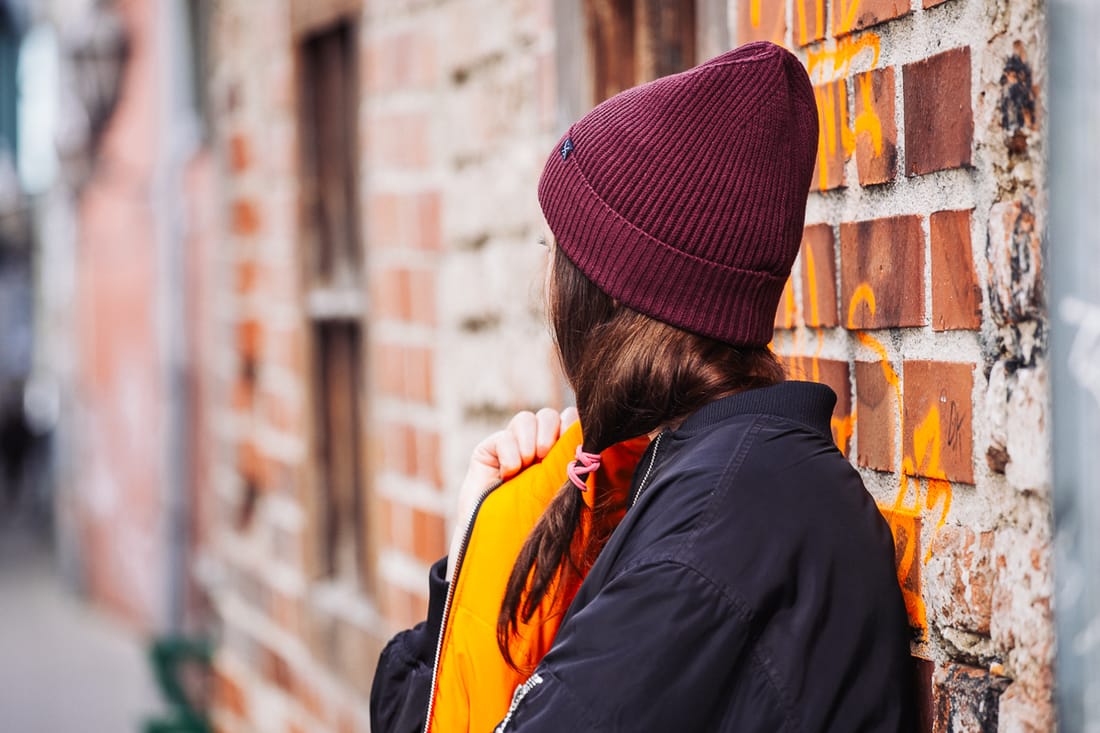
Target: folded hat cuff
(704, 297)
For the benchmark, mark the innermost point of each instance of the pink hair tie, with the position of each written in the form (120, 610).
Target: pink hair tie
(589, 462)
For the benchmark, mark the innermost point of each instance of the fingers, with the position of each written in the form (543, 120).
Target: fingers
(524, 429)
(568, 416)
(528, 438)
(509, 453)
(548, 426)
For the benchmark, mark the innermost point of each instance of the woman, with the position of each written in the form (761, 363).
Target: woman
(748, 583)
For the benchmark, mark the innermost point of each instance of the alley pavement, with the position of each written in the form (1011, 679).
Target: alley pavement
(64, 667)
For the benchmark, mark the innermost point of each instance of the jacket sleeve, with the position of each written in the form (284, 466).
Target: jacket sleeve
(403, 678)
(657, 649)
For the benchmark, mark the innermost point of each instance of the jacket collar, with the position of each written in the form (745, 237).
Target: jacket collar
(808, 403)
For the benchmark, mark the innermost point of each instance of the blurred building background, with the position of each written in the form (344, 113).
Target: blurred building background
(268, 271)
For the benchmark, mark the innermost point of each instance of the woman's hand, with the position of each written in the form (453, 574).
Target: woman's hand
(527, 439)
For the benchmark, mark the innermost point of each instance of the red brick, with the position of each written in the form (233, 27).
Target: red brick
(281, 412)
(786, 315)
(389, 293)
(384, 219)
(939, 122)
(956, 295)
(809, 21)
(966, 698)
(906, 528)
(228, 694)
(1016, 277)
(244, 394)
(854, 15)
(245, 217)
(275, 669)
(882, 272)
(933, 3)
(832, 115)
(937, 437)
(837, 375)
(398, 451)
(876, 416)
(429, 535)
(400, 140)
(419, 374)
(422, 296)
(248, 276)
(240, 153)
(428, 221)
(250, 336)
(389, 369)
(876, 132)
(963, 573)
(762, 20)
(427, 457)
(253, 466)
(819, 276)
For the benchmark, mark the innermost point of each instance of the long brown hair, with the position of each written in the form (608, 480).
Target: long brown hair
(631, 375)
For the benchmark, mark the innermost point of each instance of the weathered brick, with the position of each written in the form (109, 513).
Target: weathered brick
(956, 296)
(228, 693)
(1014, 252)
(882, 272)
(786, 315)
(762, 20)
(389, 293)
(960, 594)
(251, 464)
(400, 140)
(248, 276)
(939, 121)
(932, 3)
(809, 21)
(1018, 102)
(429, 535)
(876, 131)
(876, 415)
(428, 221)
(819, 276)
(837, 375)
(937, 436)
(240, 153)
(245, 217)
(404, 371)
(966, 699)
(905, 526)
(428, 459)
(854, 15)
(832, 115)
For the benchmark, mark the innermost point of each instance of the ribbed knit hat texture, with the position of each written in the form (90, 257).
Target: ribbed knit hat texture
(684, 198)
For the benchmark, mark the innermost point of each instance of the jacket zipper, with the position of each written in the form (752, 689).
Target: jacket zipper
(450, 595)
(517, 697)
(649, 468)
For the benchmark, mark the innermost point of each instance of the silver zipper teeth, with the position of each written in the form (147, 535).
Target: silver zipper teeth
(649, 468)
(450, 596)
(517, 697)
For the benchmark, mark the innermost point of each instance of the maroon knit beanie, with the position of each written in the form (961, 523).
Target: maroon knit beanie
(684, 198)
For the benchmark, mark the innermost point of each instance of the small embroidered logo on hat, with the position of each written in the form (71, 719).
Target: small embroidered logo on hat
(566, 148)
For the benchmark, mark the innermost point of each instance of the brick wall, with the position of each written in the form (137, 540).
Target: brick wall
(453, 116)
(917, 297)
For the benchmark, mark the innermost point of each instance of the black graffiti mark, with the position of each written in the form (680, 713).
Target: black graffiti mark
(954, 426)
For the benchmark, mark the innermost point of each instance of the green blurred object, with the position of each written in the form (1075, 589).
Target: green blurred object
(182, 669)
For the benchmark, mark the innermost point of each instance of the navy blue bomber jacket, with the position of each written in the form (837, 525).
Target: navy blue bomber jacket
(750, 588)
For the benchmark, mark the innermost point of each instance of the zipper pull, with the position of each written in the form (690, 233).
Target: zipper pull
(517, 697)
